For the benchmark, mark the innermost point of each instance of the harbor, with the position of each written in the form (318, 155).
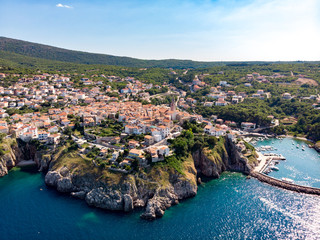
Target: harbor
(287, 163)
(268, 162)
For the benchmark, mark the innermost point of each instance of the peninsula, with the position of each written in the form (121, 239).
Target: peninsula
(123, 138)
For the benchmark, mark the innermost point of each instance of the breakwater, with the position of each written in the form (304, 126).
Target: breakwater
(289, 186)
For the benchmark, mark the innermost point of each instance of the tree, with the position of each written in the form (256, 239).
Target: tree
(68, 132)
(135, 165)
(181, 147)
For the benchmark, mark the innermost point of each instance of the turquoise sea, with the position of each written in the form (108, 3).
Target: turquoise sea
(231, 207)
(301, 166)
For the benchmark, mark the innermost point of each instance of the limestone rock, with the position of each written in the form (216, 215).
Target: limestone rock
(3, 169)
(128, 203)
(99, 197)
(51, 178)
(64, 184)
(80, 194)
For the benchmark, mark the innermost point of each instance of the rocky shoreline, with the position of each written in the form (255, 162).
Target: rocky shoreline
(141, 191)
(154, 192)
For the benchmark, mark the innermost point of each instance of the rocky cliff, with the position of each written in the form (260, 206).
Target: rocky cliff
(155, 189)
(223, 157)
(10, 155)
(317, 146)
(14, 151)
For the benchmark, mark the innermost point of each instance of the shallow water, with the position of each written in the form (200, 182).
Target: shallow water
(301, 166)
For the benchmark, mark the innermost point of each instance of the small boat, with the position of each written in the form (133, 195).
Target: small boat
(288, 180)
(297, 146)
(274, 168)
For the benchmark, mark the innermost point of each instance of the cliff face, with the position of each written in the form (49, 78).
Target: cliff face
(317, 146)
(15, 151)
(223, 157)
(154, 190)
(10, 157)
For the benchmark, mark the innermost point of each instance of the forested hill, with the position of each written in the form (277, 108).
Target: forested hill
(29, 49)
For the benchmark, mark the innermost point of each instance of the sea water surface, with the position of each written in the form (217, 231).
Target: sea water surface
(231, 207)
(301, 166)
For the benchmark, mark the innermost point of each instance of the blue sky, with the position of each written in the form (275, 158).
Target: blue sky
(208, 30)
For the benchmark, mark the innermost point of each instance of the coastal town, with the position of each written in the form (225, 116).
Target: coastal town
(90, 128)
(87, 109)
(159, 120)
(45, 107)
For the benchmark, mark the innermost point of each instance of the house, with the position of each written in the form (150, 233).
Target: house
(286, 96)
(3, 123)
(34, 132)
(115, 140)
(163, 150)
(148, 140)
(159, 153)
(133, 144)
(221, 102)
(53, 138)
(128, 129)
(115, 155)
(65, 122)
(26, 137)
(236, 99)
(208, 129)
(164, 131)
(135, 153)
(248, 126)
(208, 104)
(53, 129)
(4, 129)
(155, 131)
(43, 135)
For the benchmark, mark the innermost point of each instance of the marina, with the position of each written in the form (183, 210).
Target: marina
(281, 159)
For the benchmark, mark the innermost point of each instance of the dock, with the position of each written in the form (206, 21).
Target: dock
(285, 185)
(264, 161)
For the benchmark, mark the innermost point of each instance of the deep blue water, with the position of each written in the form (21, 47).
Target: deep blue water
(231, 207)
(301, 166)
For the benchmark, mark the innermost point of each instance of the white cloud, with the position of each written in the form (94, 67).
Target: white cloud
(63, 6)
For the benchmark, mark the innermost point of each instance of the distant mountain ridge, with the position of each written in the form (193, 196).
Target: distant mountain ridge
(42, 51)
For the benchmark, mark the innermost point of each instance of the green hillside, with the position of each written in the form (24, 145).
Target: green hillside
(14, 51)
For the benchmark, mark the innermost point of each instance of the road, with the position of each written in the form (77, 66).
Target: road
(96, 144)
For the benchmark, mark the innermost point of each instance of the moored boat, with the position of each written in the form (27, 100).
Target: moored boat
(288, 180)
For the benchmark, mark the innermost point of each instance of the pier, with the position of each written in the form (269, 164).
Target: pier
(289, 186)
(264, 161)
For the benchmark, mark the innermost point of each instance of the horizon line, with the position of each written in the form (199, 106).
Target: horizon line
(162, 59)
